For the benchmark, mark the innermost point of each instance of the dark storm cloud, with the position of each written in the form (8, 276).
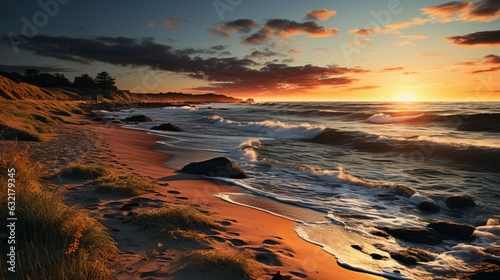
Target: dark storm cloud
(488, 38)
(224, 73)
(22, 68)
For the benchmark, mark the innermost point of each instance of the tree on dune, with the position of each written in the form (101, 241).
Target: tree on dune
(105, 81)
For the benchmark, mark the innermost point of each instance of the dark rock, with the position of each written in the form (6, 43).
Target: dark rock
(167, 127)
(429, 206)
(412, 256)
(216, 167)
(138, 118)
(420, 235)
(455, 230)
(459, 201)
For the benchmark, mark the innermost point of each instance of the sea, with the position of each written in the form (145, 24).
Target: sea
(342, 170)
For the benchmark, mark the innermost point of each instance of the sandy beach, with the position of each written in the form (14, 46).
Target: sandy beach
(270, 240)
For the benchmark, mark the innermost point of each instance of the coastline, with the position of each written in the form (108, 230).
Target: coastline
(271, 237)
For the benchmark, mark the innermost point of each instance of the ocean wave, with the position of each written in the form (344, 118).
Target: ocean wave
(414, 148)
(382, 118)
(269, 128)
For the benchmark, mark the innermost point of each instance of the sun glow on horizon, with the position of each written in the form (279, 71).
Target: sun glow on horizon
(405, 97)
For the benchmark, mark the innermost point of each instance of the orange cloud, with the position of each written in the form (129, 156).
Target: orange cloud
(484, 10)
(295, 51)
(488, 60)
(363, 31)
(413, 37)
(151, 24)
(321, 15)
(283, 27)
(171, 23)
(388, 69)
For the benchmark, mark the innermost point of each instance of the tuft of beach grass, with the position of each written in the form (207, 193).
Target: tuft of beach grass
(222, 264)
(166, 219)
(124, 185)
(53, 240)
(85, 171)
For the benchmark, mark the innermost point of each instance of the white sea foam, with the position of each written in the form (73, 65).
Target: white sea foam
(382, 118)
(273, 129)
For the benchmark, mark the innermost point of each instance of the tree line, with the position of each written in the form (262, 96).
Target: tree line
(102, 80)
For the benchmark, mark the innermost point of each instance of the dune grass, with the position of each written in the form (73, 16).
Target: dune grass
(180, 218)
(30, 120)
(222, 264)
(54, 241)
(124, 185)
(85, 171)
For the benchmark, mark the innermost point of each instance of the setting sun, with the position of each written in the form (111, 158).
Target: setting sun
(405, 97)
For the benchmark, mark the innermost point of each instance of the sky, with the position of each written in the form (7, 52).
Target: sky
(300, 50)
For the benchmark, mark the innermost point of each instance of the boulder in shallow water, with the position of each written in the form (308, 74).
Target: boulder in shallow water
(138, 118)
(216, 167)
(460, 201)
(167, 127)
(420, 235)
(412, 256)
(455, 230)
(429, 206)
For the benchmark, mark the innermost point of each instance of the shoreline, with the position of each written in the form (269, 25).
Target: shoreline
(255, 229)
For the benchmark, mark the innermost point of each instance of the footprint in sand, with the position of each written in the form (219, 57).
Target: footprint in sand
(298, 274)
(268, 258)
(237, 242)
(173, 192)
(270, 242)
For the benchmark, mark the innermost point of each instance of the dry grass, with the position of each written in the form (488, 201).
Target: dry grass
(124, 185)
(85, 171)
(54, 241)
(30, 120)
(221, 264)
(167, 219)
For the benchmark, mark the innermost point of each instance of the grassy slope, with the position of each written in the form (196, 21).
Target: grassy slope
(54, 240)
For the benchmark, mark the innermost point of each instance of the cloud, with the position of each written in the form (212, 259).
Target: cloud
(484, 10)
(388, 69)
(363, 31)
(283, 27)
(226, 74)
(294, 51)
(239, 26)
(262, 54)
(364, 42)
(491, 60)
(363, 88)
(43, 69)
(151, 24)
(413, 37)
(172, 23)
(483, 38)
(321, 15)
